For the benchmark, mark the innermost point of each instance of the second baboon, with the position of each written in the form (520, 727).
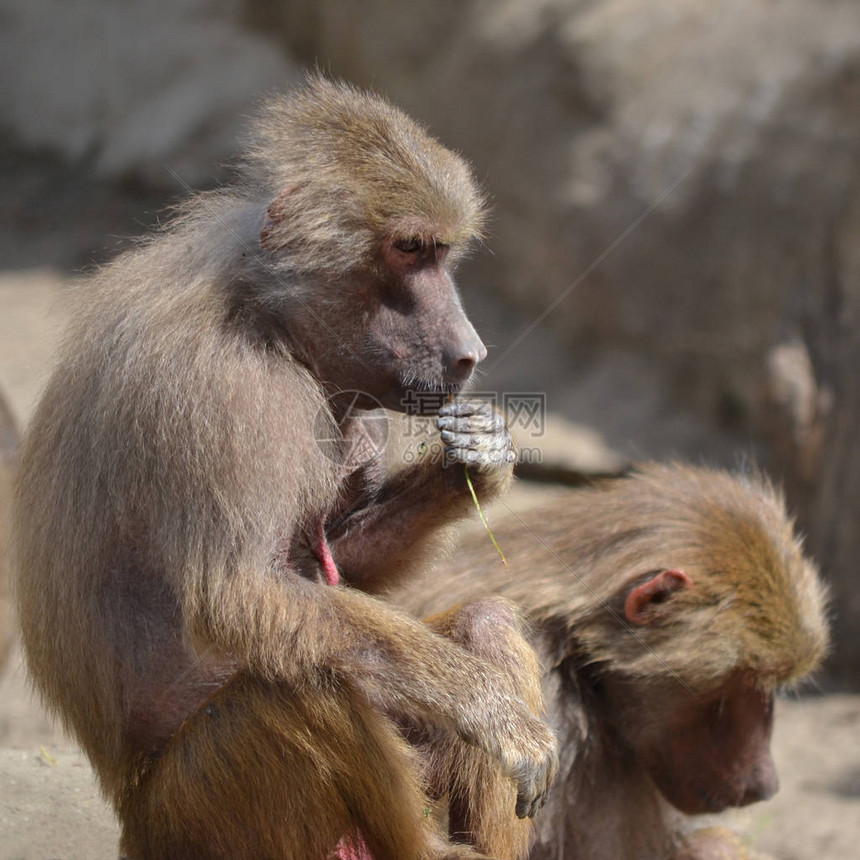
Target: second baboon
(203, 516)
(668, 607)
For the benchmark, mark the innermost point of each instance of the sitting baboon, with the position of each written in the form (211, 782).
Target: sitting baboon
(667, 608)
(202, 505)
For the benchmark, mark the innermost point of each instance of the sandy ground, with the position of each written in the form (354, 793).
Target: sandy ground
(49, 804)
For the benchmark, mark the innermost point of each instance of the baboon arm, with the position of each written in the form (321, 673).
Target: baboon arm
(378, 545)
(289, 629)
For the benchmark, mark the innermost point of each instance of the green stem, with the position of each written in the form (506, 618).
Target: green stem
(483, 516)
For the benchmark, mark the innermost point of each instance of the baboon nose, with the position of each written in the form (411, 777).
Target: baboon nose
(460, 361)
(764, 785)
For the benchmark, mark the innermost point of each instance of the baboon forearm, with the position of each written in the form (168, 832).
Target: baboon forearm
(409, 520)
(384, 542)
(399, 661)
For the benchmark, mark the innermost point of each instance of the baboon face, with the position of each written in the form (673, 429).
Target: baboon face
(396, 328)
(712, 750)
(368, 216)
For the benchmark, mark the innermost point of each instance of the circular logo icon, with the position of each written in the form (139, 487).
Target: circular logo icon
(351, 429)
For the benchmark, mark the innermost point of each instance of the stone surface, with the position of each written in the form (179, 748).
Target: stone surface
(154, 90)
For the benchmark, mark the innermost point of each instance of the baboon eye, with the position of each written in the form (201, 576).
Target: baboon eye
(409, 246)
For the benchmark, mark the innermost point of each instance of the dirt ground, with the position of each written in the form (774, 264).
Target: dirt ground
(49, 805)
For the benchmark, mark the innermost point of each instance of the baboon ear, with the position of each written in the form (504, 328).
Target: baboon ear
(276, 212)
(657, 589)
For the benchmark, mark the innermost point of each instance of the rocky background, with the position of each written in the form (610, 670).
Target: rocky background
(674, 257)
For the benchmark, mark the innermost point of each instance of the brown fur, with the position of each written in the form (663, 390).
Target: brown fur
(329, 223)
(475, 793)
(637, 687)
(174, 512)
(233, 754)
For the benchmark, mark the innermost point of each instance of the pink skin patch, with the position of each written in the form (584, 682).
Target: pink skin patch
(323, 553)
(352, 849)
(661, 586)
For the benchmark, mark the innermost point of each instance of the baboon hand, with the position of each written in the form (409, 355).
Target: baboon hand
(474, 433)
(531, 759)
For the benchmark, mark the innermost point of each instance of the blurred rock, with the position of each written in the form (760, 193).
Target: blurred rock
(796, 409)
(33, 314)
(136, 88)
(563, 451)
(831, 493)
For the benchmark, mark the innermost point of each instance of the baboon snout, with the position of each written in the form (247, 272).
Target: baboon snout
(763, 783)
(463, 352)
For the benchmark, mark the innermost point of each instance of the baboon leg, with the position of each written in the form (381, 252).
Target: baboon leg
(481, 800)
(272, 772)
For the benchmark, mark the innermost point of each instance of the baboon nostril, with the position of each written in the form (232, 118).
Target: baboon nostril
(460, 363)
(467, 363)
(461, 359)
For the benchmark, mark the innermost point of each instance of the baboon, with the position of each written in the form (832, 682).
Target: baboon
(8, 456)
(203, 520)
(668, 607)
